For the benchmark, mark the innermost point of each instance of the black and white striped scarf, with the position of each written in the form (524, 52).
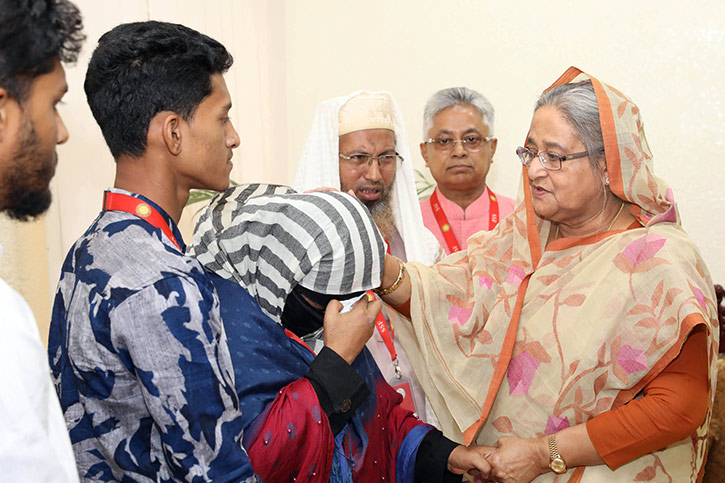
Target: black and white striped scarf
(269, 238)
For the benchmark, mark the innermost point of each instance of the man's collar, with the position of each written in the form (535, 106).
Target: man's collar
(167, 218)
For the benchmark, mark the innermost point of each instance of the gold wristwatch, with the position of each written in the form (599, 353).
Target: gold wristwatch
(556, 462)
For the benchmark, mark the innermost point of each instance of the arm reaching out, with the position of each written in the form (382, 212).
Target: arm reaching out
(394, 272)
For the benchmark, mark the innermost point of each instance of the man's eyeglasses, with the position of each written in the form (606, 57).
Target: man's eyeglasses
(550, 161)
(470, 143)
(387, 162)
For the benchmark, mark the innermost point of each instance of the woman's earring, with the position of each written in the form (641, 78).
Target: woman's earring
(606, 181)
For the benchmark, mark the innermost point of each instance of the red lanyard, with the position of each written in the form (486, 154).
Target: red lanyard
(387, 335)
(295, 337)
(129, 204)
(445, 228)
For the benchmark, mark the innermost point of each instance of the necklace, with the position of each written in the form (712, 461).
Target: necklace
(621, 207)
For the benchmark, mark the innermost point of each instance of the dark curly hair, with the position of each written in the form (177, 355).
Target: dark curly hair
(33, 34)
(140, 69)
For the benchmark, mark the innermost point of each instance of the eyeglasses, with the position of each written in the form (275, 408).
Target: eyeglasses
(387, 162)
(550, 161)
(470, 143)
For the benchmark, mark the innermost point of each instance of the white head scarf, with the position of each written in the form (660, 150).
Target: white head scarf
(319, 166)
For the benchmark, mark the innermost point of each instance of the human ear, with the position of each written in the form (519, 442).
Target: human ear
(494, 145)
(424, 153)
(602, 170)
(171, 133)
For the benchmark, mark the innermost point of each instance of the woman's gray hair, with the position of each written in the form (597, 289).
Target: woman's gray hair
(578, 104)
(455, 96)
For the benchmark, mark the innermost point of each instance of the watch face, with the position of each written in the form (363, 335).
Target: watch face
(558, 466)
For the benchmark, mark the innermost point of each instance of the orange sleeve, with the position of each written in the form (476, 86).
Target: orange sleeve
(403, 309)
(673, 406)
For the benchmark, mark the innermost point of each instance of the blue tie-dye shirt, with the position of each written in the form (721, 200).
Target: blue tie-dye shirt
(140, 360)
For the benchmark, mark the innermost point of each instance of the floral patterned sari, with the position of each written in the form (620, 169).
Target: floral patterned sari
(510, 337)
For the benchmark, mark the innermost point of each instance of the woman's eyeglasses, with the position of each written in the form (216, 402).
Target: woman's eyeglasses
(550, 161)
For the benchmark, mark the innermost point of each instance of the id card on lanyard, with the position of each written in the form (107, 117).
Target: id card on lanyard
(401, 384)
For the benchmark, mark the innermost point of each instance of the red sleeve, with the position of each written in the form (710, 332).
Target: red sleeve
(281, 450)
(673, 407)
(386, 430)
(403, 309)
(400, 419)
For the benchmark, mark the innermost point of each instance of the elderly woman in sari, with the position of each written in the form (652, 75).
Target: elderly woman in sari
(314, 404)
(579, 337)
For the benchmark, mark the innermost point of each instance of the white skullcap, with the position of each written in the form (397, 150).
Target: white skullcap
(366, 110)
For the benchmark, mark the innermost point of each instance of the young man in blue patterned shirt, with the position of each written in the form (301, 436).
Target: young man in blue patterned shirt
(137, 348)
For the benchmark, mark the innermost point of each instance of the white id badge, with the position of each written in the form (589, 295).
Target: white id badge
(403, 387)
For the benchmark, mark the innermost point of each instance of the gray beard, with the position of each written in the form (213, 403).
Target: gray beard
(382, 213)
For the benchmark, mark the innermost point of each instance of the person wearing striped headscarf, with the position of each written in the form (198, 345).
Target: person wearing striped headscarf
(314, 403)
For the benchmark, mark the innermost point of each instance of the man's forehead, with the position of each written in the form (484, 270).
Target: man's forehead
(461, 117)
(367, 136)
(219, 87)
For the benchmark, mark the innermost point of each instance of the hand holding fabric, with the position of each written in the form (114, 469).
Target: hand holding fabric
(347, 333)
(518, 459)
(471, 459)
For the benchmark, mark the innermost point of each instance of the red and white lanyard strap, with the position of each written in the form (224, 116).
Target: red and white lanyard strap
(387, 337)
(386, 334)
(445, 227)
(129, 204)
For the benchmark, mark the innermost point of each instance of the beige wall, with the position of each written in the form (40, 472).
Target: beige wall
(292, 54)
(24, 265)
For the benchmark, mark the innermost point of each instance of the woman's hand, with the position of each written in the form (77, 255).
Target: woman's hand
(470, 459)
(347, 333)
(518, 459)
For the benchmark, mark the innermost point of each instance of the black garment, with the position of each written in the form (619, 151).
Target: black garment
(302, 318)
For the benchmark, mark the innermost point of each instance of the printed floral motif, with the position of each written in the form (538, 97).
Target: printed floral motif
(555, 424)
(671, 214)
(503, 425)
(631, 359)
(516, 275)
(484, 280)
(459, 314)
(521, 371)
(639, 256)
(650, 472)
(700, 297)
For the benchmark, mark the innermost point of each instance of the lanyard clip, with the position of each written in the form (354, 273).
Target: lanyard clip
(396, 366)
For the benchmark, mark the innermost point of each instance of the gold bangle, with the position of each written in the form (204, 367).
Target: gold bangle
(385, 291)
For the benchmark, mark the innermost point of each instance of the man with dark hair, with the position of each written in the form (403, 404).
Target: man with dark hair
(137, 349)
(35, 37)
